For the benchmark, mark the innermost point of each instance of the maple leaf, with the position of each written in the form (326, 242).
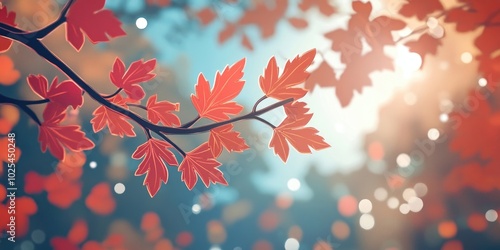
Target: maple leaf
(56, 138)
(294, 73)
(138, 72)
(473, 15)
(8, 73)
(162, 112)
(292, 130)
(426, 44)
(200, 162)
(88, 16)
(420, 8)
(376, 32)
(116, 122)
(265, 16)
(323, 76)
(224, 136)
(8, 18)
(155, 153)
(66, 93)
(78, 232)
(217, 104)
(357, 74)
(100, 200)
(323, 6)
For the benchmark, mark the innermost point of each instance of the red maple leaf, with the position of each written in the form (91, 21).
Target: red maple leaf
(62, 192)
(323, 76)
(201, 162)
(6, 18)
(138, 72)
(294, 73)
(217, 104)
(116, 122)
(88, 16)
(426, 44)
(78, 232)
(66, 93)
(57, 138)
(420, 8)
(265, 16)
(34, 183)
(155, 153)
(225, 136)
(292, 130)
(323, 6)
(376, 32)
(162, 112)
(357, 74)
(473, 14)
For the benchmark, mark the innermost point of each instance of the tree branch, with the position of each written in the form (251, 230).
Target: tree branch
(114, 94)
(265, 122)
(191, 123)
(23, 105)
(51, 27)
(164, 137)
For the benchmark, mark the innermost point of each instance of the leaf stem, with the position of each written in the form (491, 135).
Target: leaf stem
(192, 122)
(264, 121)
(137, 106)
(114, 94)
(258, 102)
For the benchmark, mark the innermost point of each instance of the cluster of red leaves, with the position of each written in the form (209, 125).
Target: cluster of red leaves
(7, 18)
(478, 133)
(265, 17)
(78, 233)
(64, 187)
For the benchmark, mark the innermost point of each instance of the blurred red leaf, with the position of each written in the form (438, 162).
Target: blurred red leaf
(162, 112)
(138, 72)
(292, 130)
(426, 44)
(89, 17)
(323, 76)
(265, 16)
(201, 162)
(4, 154)
(323, 6)
(66, 93)
(100, 200)
(217, 104)
(93, 245)
(226, 33)
(8, 74)
(161, 3)
(225, 136)
(117, 123)
(78, 232)
(473, 14)
(299, 23)
(155, 153)
(294, 73)
(184, 239)
(62, 192)
(150, 221)
(9, 18)
(34, 183)
(61, 243)
(206, 15)
(57, 138)
(245, 41)
(420, 8)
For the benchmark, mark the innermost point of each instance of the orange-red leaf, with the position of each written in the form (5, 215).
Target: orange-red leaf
(6, 18)
(89, 17)
(61, 243)
(150, 221)
(57, 138)
(292, 131)
(225, 136)
(100, 200)
(299, 23)
(138, 72)
(34, 183)
(285, 86)
(162, 112)
(217, 104)
(62, 192)
(155, 153)
(426, 44)
(323, 76)
(201, 162)
(206, 15)
(8, 73)
(420, 8)
(116, 122)
(78, 233)
(66, 93)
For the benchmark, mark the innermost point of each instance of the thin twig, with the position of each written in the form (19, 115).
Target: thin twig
(265, 122)
(164, 137)
(258, 102)
(51, 27)
(114, 94)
